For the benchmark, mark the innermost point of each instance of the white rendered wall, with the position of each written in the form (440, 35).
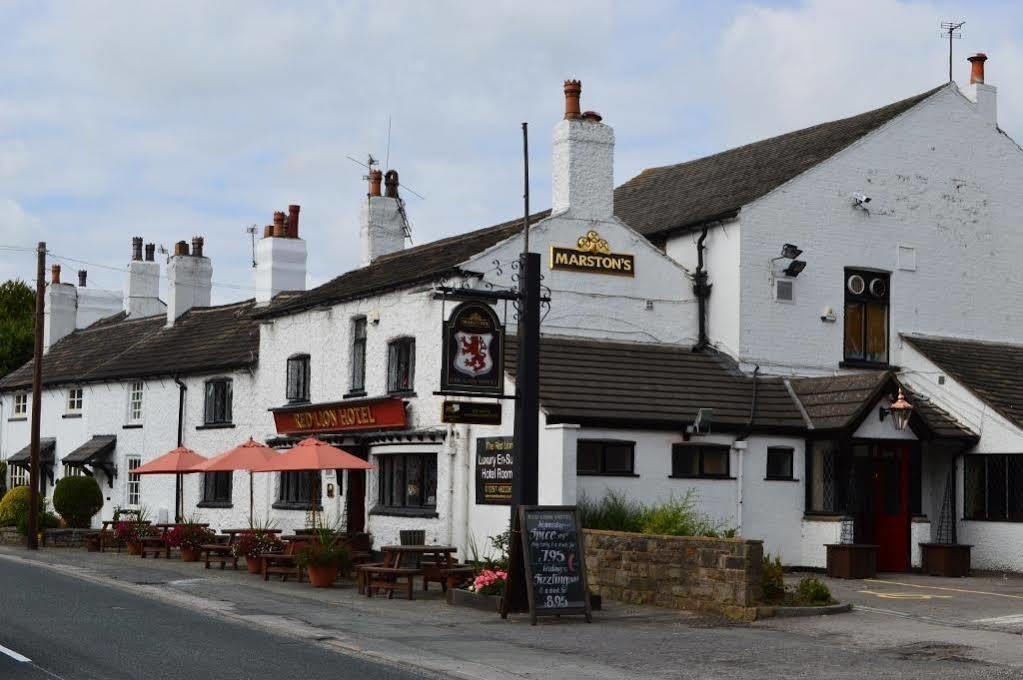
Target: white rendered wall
(816, 533)
(59, 312)
(142, 289)
(942, 181)
(280, 266)
(773, 509)
(190, 281)
(583, 169)
(381, 228)
(95, 304)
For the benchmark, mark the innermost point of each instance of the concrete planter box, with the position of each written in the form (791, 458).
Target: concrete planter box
(852, 560)
(466, 598)
(942, 559)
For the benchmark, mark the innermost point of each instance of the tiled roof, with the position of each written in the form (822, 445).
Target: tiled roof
(840, 402)
(990, 370)
(98, 447)
(663, 199)
(202, 340)
(46, 448)
(657, 386)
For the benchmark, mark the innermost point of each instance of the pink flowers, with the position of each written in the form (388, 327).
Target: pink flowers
(489, 582)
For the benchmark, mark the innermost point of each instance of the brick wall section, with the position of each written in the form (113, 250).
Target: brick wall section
(705, 574)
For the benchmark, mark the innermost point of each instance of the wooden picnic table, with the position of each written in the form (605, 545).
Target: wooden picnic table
(158, 544)
(106, 533)
(222, 551)
(404, 563)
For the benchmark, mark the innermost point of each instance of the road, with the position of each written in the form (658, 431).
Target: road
(54, 626)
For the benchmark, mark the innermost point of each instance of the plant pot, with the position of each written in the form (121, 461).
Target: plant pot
(322, 576)
(466, 598)
(254, 565)
(945, 559)
(134, 548)
(852, 560)
(92, 542)
(189, 554)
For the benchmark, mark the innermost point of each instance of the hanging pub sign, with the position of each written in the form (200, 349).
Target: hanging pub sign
(473, 350)
(471, 413)
(494, 456)
(593, 255)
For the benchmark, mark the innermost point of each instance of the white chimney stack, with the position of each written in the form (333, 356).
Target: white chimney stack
(383, 228)
(583, 161)
(142, 288)
(980, 93)
(280, 257)
(190, 279)
(59, 310)
(94, 303)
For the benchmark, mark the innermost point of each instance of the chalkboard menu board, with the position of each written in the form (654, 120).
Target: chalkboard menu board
(555, 564)
(494, 470)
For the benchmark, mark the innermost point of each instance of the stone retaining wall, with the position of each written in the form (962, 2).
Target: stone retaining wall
(10, 536)
(706, 574)
(66, 538)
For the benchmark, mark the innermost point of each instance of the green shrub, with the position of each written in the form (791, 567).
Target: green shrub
(614, 512)
(77, 499)
(679, 517)
(812, 591)
(47, 520)
(771, 577)
(14, 506)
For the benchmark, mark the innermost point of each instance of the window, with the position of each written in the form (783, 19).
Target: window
(19, 475)
(20, 405)
(218, 402)
(296, 489)
(216, 488)
(821, 473)
(74, 400)
(700, 460)
(779, 462)
(359, 354)
(73, 471)
(993, 487)
(866, 317)
(298, 378)
(407, 480)
(604, 457)
(134, 481)
(401, 365)
(135, 402)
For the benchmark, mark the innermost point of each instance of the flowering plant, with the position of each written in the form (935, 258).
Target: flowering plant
(191, 536)
(254, 542)
(489, 582)
(128, 532)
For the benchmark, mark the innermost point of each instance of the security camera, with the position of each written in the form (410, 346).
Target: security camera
(860, 198)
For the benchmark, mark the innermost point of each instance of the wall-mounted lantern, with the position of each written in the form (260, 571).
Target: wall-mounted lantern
(900, 411)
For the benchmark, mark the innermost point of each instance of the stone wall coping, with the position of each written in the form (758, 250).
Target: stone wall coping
(666, 537)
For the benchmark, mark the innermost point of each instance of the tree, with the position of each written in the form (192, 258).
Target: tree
(17, 311)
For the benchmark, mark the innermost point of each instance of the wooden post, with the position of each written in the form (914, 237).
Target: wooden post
(37, 389)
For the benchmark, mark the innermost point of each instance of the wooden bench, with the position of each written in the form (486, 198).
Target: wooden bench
(447, 577)
(222, 552)
(155, 545)
(283, 563)
(388, 578)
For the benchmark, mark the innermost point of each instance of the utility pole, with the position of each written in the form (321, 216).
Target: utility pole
(37, 391)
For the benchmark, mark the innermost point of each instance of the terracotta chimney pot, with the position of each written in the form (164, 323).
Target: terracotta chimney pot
(573, 89)
(268, 231)
(280, 228)
(55, 274)
(81, 278)
(293, 221)
(977, 67)
(391, 184)
(181, 248)
(136, 248)
(375, 177)
(197, 243)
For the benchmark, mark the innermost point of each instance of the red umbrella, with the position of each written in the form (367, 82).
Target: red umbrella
(312, 455)
(177, 462)
(245, 456)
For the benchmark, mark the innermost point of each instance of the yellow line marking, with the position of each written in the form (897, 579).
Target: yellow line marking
(906, 596)
(951, 590)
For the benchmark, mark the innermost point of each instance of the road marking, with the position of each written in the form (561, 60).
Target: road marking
(14, 655)
(906, 596)
(951, 590)
(1010, 619)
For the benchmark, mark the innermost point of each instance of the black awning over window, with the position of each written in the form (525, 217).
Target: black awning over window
(95, 453)
(46, 448)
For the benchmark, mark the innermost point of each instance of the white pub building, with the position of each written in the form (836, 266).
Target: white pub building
(739, 325)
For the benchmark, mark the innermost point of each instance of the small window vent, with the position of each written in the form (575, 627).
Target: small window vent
(783, 290)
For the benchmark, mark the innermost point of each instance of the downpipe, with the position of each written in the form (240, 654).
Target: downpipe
(702, 291)
(178, 490)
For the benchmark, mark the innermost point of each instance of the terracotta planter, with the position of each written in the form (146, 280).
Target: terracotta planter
(134, 548)
(942, 559)
(852, 560)
(322, 576)
(189, 554)
(254, 565)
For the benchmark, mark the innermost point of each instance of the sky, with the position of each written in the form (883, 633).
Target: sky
(170, 120)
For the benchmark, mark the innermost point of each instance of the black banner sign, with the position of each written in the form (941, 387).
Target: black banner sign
(594, 263)
(473, 350)
(494, 457)
(555, 564)
(471, 413)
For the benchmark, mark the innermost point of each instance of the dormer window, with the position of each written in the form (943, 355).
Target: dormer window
(866, 318)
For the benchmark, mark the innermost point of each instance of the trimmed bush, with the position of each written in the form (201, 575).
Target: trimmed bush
(15, 506)
(77, 500)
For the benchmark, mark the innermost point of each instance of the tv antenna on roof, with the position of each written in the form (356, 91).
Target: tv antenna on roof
(251, 231)
(950, 30)
(369, 166)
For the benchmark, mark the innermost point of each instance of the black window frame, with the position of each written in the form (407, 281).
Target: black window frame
(217, 489)
(395, 348)
(602, 446)
(295, 490)
(789, 452)
(700, 450)
(393, 498)
(998, 477)
(212, 413)
(297, 378)
(863, 300)
(357, 375)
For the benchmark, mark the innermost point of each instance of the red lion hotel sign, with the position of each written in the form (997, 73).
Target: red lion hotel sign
(342, 416)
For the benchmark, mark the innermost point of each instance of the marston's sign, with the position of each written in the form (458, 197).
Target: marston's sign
(344, 416)
(593, 255)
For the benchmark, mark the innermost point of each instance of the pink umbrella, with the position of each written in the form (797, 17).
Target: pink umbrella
(177, 462)
(246, 456)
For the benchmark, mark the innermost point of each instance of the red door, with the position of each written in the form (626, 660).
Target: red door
(891, 495)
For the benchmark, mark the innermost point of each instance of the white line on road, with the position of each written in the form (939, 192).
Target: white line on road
(1011, 619)
(14, 655)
